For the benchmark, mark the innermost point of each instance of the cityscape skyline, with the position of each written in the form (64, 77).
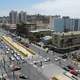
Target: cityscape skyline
(46, 7)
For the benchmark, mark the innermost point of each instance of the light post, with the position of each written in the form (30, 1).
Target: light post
(1, 69)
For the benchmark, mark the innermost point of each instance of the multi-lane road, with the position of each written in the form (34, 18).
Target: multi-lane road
(29, 68)
(26, 68)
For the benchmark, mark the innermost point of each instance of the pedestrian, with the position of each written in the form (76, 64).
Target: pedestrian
(39, 52)
(60, 62)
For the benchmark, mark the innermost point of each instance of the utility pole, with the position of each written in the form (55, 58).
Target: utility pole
(14, 76)
(1, 70)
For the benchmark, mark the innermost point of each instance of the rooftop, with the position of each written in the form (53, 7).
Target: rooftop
(67, 33)
(39, 30)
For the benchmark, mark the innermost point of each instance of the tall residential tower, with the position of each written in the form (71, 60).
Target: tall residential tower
(13, 17)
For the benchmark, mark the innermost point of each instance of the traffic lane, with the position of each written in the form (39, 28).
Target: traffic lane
(51, 55)
(32, 72)
(43, 53)
(9, 55)
(8, 62)
(28, 69)
(38, 50)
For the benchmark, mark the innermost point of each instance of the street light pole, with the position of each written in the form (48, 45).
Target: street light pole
(14, 76)
(1, 70)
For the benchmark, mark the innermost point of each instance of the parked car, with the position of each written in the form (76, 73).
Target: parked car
(64, 56)
(46, 59)
(17, 57)
(74, 72)
(70, 67)
(7, 52)
(12, 51)
(12, 58)
(8, 49)
(22, 76)
(66, 68)
(57, 58)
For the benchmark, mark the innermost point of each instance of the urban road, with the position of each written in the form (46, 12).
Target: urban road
(52, 55)
(33, 72)
(27, 68)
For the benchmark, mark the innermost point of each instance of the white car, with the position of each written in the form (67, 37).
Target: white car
(17, 57)
(7, 52)
(8, 49)
(57, 58)
(18, 54)
(36, 62)
(12, 51)
(22, 58)
(12, 58)
(46, 59)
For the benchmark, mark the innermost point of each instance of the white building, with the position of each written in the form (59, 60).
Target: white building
(13, 17)
(22, 16)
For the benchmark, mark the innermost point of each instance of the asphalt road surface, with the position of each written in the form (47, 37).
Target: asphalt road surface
(27, 69)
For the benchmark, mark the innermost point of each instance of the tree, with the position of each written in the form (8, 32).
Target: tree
(4, 26)
(22, 29)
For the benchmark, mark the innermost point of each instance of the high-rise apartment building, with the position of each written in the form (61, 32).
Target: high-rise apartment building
(65, 24)
(57, 23)
(22, 17)
(13, 17)
(76, 24)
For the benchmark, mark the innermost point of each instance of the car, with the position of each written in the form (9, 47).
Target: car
(14, 55)
(17, 57)
(22, 57)
(27, 45)
(64, 56)
(66, 68)
(74, 72)
(12, 51)
(12, 58)
(7, 51)
(70, 67)
(46, 59)
(18, 54)
(36, 62)
(6, 47)
(22, 76)
(57, 58)
(78, 71)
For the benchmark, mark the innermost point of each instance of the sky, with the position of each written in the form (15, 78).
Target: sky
(47, 7)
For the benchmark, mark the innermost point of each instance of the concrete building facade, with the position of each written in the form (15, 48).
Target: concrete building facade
(22, 17)
(13, 17)
(64, 24)
(66, 40)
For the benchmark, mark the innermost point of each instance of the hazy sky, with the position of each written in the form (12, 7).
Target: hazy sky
(53, 7)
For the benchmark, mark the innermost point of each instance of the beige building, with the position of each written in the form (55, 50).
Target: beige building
(43, 32)
(66, 40)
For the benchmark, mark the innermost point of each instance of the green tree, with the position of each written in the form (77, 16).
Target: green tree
(22, 29)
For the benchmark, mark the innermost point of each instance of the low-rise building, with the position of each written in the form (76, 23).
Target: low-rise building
(43, 32)
(66, 40)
